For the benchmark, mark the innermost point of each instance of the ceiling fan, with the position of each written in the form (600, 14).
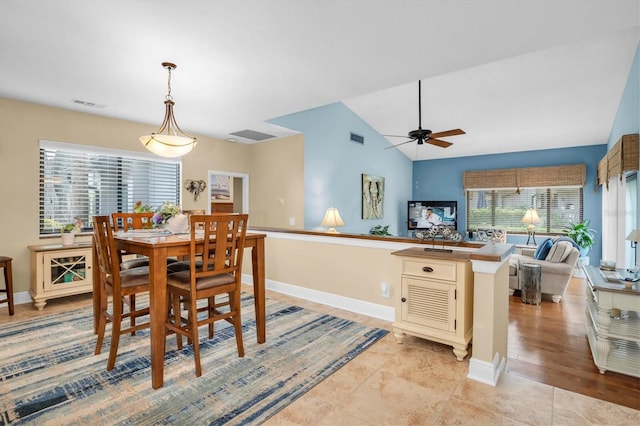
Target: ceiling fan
(424, 135)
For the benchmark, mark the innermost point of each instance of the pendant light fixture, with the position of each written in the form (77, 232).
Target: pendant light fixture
(169, 140)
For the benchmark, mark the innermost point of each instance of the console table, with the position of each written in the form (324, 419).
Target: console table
(613, 322)
(59, 271)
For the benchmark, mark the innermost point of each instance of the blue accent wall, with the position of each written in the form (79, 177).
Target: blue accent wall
(333, 168)
(442, 180)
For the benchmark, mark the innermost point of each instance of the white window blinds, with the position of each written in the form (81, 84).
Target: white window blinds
(83, 181)
(556, 207)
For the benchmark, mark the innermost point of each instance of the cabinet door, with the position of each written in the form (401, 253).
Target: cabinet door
(429, 303)
(66, 269)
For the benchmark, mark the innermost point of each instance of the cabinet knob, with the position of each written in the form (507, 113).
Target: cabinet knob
(404, 299)
(427, 269)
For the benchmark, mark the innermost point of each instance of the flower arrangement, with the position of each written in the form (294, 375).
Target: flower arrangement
(165, 212)
(141, 208)
(72, 227)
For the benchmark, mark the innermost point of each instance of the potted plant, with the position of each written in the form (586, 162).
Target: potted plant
(582, 235)
(68, 232)
(380, 230)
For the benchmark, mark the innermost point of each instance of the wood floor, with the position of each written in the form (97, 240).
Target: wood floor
(548, 344)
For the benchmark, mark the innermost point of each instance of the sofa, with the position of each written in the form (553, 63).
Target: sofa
(557, 258)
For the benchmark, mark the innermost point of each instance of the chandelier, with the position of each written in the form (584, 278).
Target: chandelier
(169, 140)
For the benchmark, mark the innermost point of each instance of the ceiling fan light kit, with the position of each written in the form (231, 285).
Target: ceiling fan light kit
(421, 135)
(169, 140)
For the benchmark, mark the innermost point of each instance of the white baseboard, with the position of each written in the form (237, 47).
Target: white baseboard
(20, 298)
(486, 372)
(352, 305)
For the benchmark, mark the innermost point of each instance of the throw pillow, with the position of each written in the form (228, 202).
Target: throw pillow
(543, 249)
(559, 251)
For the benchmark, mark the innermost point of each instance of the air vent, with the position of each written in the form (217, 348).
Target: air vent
(253, 135)
(357, 138)
(87, 104)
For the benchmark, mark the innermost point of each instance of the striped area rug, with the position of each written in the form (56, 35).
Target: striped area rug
(49, 374)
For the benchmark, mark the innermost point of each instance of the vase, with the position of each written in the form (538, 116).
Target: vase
(68, 238)
(178, 224)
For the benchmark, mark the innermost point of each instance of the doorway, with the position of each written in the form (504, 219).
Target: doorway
(228, 192)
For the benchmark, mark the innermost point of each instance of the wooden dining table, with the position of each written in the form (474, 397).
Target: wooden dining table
(158, 248)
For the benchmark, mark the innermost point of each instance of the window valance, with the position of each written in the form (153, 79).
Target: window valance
(527, 177)
(621, 158)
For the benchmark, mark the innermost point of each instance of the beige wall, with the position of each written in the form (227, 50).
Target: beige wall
(354, 270)
(23, 124)
(282, 162)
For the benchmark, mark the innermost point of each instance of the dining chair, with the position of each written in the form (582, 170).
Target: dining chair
(131, 221)
(120, 284)
(215, 254)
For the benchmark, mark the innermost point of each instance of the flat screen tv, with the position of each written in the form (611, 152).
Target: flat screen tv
(425, 214)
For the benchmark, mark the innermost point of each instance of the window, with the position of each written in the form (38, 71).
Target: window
(557, 207)
(83, 181)
(501, 197)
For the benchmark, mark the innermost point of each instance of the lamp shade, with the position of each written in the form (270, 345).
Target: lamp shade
(634, 236)
(332, 219)
(168, 145)
(531, 217)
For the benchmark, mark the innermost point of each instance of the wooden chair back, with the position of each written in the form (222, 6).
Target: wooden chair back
(223, 248)
(126, 221)
(109, 258)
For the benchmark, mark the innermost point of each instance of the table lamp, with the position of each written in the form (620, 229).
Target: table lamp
(332, 219)
(531, 218)
(634, 237)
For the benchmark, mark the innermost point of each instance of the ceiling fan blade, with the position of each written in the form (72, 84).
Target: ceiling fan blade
(394, 136)
(452, 132)
(402, 143)
(438, 142)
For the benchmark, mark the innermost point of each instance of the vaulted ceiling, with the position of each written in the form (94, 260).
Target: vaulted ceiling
(515, 75)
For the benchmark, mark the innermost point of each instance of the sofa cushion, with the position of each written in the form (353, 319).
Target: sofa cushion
(559, 251)
(543, 249)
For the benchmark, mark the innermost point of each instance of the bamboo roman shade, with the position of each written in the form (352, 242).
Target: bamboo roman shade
(621, 158)
(527, 177)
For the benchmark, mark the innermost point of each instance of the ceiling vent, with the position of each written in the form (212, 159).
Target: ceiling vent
(87, 104)
(253, 135)
(357, 138)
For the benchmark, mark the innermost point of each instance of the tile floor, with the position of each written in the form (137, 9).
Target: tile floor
(415, 383)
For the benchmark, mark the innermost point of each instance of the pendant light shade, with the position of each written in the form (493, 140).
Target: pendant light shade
(169, 140)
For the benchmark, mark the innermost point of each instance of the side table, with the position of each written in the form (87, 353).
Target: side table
(530, 275)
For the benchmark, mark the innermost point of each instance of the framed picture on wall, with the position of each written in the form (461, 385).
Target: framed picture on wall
(220, 188)
(372, 197)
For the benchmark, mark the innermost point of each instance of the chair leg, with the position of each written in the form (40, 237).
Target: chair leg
(177, 317)
(193, 324)
(8, 285)
(102, 322)
(234, 298)
(132, 308)
(210, 309)
(116, 325)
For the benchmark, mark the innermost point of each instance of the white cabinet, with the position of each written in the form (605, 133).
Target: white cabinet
(436, 299)
(58, 271)
(613, 323)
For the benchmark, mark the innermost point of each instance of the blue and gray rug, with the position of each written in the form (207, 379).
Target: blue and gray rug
(49, 375)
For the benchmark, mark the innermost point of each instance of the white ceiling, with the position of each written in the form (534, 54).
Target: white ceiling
(514, 74)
